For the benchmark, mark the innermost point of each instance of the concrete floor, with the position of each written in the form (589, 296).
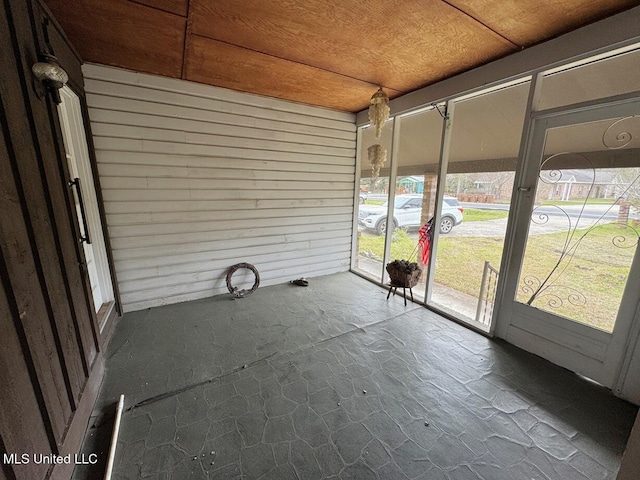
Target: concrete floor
(447, 299)
(333, 381)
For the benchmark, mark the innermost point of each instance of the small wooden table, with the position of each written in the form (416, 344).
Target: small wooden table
(393, 287)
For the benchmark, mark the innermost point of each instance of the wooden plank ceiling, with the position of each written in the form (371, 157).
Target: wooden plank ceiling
(332, 53)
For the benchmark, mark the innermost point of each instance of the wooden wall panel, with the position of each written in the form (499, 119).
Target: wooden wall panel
(124, 34)
(80, 327)
(197, 179)
(49, 203)
(50, 34)
(18, 402)
(213, 62)
(48, 367)
(399, 44)
(19, 250)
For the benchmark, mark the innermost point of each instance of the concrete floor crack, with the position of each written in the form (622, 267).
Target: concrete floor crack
(186, 388)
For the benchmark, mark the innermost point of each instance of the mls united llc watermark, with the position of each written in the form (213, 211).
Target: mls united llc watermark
(49, 459)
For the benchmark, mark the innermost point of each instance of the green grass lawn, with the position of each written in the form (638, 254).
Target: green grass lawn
(401, 247)
(590, 201)
(477, 215)
(594, 277)
(598, 269)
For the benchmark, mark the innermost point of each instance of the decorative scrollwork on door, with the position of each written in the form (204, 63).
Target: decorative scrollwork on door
(550, 289)
(614, 139)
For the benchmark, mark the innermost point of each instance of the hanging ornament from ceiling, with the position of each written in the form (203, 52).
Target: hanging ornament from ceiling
(379, 110)
(377, 156)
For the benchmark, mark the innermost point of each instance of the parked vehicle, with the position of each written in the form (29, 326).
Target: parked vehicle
(407, 212)
(363, 197)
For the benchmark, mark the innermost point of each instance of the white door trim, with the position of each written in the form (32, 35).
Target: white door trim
(75, 142)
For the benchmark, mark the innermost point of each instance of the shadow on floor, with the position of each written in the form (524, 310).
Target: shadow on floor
(333, 381)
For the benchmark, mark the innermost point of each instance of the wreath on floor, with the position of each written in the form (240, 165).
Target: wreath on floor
(244, 292)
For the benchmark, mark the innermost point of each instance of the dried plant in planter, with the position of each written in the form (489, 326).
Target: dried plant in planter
(404, 273)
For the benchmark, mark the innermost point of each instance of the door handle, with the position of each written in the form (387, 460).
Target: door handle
(76, 183)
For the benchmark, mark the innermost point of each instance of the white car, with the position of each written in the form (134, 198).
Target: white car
(407, 212)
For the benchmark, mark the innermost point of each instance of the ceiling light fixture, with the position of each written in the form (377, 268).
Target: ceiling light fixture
(379, 110)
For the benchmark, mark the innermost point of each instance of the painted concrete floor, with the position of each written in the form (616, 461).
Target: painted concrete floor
(333, 381)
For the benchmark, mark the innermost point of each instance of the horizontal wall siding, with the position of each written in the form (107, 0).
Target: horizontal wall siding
(196, 179)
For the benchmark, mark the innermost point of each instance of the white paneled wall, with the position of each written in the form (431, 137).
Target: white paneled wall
(198, 178)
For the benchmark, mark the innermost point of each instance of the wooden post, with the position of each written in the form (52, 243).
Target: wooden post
(630, 466)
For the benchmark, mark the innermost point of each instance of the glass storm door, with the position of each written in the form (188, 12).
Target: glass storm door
(572, 284)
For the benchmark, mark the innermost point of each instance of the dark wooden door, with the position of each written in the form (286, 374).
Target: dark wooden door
(50, 346)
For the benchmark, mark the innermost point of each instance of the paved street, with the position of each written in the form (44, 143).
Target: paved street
(591, 211)
(497, 228)
(547, 219)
